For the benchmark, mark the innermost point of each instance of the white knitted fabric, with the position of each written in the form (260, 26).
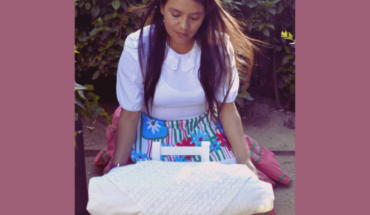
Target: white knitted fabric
(180, 188)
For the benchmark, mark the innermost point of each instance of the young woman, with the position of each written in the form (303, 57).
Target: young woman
(177, 81)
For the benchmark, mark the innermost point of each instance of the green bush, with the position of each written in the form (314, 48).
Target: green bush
(86, 104)
(264, 20)
(102, 27)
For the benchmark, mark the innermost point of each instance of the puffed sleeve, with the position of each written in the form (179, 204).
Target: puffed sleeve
(129, 86)
(235, 78)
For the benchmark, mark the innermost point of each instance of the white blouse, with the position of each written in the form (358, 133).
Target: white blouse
(179, 93)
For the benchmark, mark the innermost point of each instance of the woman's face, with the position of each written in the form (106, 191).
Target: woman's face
(182, 19)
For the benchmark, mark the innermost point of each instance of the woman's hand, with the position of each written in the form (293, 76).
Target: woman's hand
(232, 125)
(126, 133)
(252, 167)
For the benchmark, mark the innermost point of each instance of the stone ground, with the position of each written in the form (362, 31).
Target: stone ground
(272, 128)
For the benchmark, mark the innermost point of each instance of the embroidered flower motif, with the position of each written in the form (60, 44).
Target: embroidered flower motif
(180, 158)
(186, 142)
(198, 138)
(215, 146)
(138, 156)
(222, 138)
(153, 128)
(153, 124)
(219, 126)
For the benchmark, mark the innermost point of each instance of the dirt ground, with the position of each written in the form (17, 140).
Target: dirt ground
(272, 128)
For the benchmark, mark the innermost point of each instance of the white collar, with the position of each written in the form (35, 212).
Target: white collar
(185, 62)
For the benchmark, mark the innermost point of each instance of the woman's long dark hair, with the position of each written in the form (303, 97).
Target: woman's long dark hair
(214, 72)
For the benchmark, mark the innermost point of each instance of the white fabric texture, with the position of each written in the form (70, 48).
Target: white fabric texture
(154, 187)
(178, 88)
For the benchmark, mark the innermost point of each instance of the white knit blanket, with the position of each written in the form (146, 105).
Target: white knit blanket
(180, 188)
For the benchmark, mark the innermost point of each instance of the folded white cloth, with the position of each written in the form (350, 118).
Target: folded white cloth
(154, 187)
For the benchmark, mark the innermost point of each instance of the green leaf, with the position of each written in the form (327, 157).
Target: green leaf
(108, 16)
(128, 30)
(280, 8)
(89, 86)
(76, 118)
(248, 96)
(270, 26)
(103, 113)
(111, 41)
(79, 103)
(94, 64)
(266, 32)
(81, 93)
(114, 15)
(92, 96)
(79, 87)
(100, 28)
(97, 112)
(291, 57)
(290, 36)
(252, 4)
(261, 26)
(94, 31)
(279, 48)
(100, 21)
(116, 4)
(287, 50)
(96, 75)
(285, 60)
(109, 120)
(106, 28)
(87, 6)
(95, 11)
(272, 11)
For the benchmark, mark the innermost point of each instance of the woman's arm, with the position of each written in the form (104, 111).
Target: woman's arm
(232, 125)
(126, 132)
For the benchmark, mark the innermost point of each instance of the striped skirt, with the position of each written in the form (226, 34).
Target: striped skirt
(190, 132)
(178, 133)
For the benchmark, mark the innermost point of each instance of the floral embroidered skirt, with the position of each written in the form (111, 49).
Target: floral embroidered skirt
(178, 133)
(190, 132)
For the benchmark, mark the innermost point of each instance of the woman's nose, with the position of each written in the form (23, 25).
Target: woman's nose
(184, 25)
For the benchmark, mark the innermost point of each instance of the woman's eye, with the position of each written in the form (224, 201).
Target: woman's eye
(175, 15)
(194, 18)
